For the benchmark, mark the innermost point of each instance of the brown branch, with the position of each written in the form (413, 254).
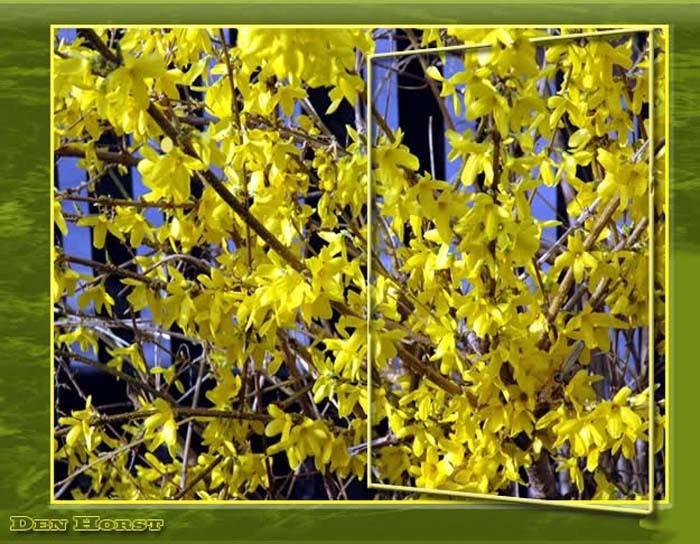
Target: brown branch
(383, 125)
(602, 290)
(496, 137)
(203, 474)
(107, 201)
(237, 118)
(427, 371)
(100, 46)
(109, 456)
(541, 480)
(255, 120)
(588, 243)
(300, 387)
(103, 155)
(226, 195)
(134, 382)
(177, 411)
(111, 269)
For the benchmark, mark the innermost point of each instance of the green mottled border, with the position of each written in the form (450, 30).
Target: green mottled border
(24, 283)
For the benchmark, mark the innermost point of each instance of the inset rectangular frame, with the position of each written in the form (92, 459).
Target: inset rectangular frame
(626, 506)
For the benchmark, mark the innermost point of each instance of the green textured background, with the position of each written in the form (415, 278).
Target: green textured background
(24, 292)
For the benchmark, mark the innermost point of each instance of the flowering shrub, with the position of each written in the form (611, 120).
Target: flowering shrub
(500, 353)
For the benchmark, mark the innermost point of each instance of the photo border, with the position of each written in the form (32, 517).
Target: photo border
(622, 505)
(25, 289)
(629, 505)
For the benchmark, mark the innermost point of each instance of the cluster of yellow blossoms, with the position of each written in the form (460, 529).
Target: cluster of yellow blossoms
(471, 323)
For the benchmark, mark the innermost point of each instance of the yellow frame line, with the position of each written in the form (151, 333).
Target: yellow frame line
(486, 45)
(466, 502)
(52, 226)
(582, 505)
(484, 26)
(370, 234)
(667, 263)
(650, 318)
